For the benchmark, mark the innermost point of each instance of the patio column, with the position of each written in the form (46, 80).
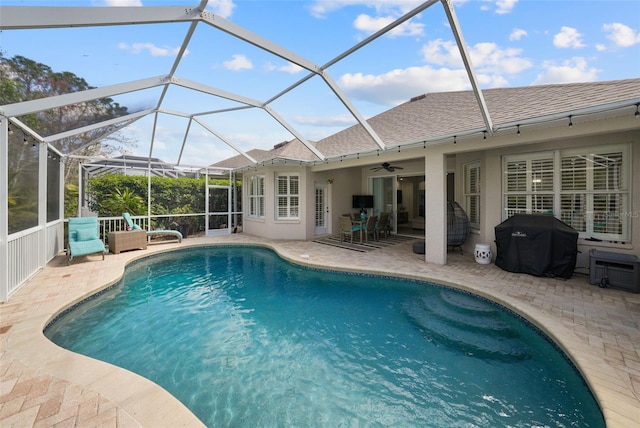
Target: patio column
(435, 231)
(4, 219)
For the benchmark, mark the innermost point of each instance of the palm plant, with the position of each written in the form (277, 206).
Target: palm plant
(120, 201)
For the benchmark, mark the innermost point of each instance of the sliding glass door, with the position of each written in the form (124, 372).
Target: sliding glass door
(384, 190)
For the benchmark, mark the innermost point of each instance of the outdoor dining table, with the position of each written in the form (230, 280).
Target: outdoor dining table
(361, 222)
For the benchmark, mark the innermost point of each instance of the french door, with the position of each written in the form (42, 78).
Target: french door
(321, 210)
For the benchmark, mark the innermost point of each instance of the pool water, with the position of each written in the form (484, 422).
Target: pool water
(246, 339)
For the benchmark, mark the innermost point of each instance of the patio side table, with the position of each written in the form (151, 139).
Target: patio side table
(127, 240)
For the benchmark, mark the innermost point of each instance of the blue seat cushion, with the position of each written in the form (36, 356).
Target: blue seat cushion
(81, 248)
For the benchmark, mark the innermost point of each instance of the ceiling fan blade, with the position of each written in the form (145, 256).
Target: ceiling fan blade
(376, 168)
(398, 167)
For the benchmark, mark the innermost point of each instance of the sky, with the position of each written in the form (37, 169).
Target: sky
(511, 42)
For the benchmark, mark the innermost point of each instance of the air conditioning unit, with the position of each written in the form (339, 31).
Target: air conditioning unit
(614, 270)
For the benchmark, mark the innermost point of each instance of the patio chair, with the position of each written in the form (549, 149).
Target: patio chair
(83, 238)
(151, 233)
(457, 225)
(370, 228)
(384, 225)
(348, 228)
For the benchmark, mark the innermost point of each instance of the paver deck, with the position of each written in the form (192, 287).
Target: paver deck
(42, 385)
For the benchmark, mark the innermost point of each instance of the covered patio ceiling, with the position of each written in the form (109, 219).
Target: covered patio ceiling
(166, 88)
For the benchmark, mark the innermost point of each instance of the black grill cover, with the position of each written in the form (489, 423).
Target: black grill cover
(537, 244)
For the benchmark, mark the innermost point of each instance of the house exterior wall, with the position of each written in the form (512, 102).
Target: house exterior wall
(352, 176)
(492, 187)
(269, 226)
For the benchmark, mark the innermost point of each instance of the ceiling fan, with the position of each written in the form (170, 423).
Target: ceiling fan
(387, 166)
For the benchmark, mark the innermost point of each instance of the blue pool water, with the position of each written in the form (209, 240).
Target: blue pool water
(246, 339)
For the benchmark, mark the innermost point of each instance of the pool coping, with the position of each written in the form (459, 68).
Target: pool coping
(144, 403)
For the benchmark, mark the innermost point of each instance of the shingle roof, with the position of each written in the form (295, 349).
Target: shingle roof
(436, 114)
(430, 116)
(293, 150)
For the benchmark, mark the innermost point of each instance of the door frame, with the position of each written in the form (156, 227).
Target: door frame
(326, 212)
(224, 231)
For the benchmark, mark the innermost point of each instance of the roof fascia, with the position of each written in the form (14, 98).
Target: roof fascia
(466, 59)
(598, 111)
(42, 104)
(25, 17)
(227, 142)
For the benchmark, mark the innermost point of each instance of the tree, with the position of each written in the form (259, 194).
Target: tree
(22, 79)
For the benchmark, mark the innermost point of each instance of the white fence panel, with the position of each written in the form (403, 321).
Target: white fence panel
(24, 262)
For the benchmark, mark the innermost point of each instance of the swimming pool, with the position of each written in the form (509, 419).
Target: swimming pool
(244, 338)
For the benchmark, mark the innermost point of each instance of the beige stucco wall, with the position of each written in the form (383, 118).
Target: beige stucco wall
(352, 176)
(269, 227)
(491, 187)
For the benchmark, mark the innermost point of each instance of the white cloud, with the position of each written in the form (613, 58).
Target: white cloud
(505, 6)
(488, 57)
(321, 8)
(337, 120)
(571, 70)
(517, 34)
(485, 57)
(154, 50)
(369, 24)
(237, 63)
(223, 8)
(121, 3)
(399, 85)
(568, 38)
(621, 35)
(290, 68)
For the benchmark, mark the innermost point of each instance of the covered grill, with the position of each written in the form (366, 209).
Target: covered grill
(537, 244)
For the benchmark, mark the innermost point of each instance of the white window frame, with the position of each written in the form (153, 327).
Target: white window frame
(583, 215)
(591, 221)
(472, 193)
(287, 201)
(256, 196)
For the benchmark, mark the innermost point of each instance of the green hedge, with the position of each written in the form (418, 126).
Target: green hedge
(110, 195)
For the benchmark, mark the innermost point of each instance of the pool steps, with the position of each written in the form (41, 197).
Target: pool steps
(466, 324)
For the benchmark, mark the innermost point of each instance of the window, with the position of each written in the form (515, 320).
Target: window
(287, 196)
(472, 193)
(256, 196)
(588, 189)
(529, 184)
(594, 192)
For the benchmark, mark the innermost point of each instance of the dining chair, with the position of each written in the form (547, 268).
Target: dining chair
(384, 225)
(370, 227)
(347, 228)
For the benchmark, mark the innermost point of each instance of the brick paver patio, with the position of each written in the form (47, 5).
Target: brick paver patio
(42, 385)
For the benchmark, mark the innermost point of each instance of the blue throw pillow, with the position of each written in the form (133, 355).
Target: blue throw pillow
(87, 234)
